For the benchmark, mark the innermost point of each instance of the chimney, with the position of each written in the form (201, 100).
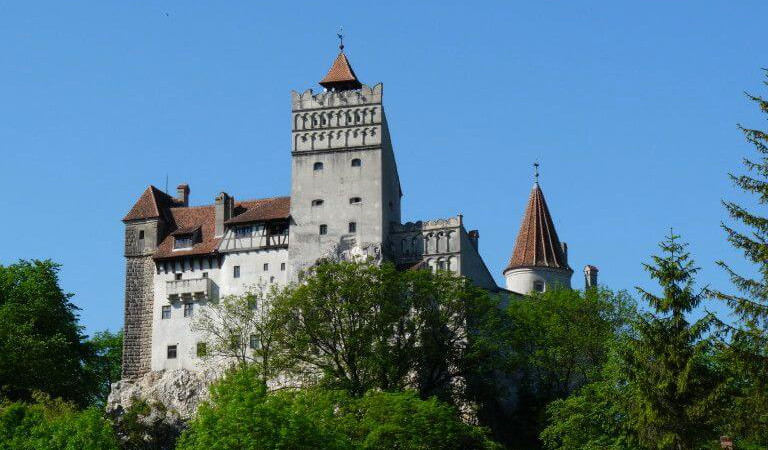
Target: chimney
(182, 194)
(474, 237)
(564, 248)
(225, 205)
(590, 276)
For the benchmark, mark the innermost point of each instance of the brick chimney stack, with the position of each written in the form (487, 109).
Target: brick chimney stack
(182, 194)
(474, 238)
(225, 206)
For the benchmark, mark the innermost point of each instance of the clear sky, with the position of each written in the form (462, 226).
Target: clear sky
(630, 107)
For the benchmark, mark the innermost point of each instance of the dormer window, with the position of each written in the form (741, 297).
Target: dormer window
(538, 286)
(242, 232)
(355, 200)
(356, 162)
(182, 241)
(317, 202)
(318, 166)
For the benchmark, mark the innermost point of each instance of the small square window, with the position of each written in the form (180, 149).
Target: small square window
(202, 349)
(266, 266)
(188, 309)
(205, 274)
(171, 352)
(177, 276)
(323, 229)
(255, 342)
(353, 227)
(317, 166)
(236, 272)
(166, 314)
(282, 266)
(141, 234)
(356, 162)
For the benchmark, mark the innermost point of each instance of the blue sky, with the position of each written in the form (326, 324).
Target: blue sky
(630, 107)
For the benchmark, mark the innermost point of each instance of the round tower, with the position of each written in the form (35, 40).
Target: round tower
(539, 261)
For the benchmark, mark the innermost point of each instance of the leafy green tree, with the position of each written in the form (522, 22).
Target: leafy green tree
(242, 415)
(364, 326)
(748, 344)
(104, 365)
(668, 361)
(241, 330)
(561, 341)
(54, 425)
(41, 345)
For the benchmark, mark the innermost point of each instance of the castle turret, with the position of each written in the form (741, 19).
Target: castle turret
(539, 260)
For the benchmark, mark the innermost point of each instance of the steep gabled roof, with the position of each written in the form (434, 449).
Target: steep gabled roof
(341, 77)
(537, 244)
(150, 205)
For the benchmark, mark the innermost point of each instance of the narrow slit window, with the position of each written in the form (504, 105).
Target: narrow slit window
(141, 234)
(355, 200)
(236, 272)
(266, 267)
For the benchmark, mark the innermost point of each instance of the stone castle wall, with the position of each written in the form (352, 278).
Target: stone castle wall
(139, 297)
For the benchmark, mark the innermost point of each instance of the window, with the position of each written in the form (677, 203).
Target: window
(183, 241)
(353, 227)
(241, 232)
(255, 342)
(177, 276)
(188, 308)
(141, 234)
(266, 267)
(171, 352)
(356, 162)
(282, 266)
(202, 349)
(317, 202)
(166, 314)
(538, 286)
(271, 279)
(323, 229)
(318, 166)
(355, 200)
(205, 274)
(236, 271)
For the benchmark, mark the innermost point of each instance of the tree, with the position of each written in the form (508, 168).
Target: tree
(241, 329)
(748, 345)
(104, 366)
(54, 425)
(561, 341)
(361, 326)
(242, 415)
(668, 360)
(41, 345)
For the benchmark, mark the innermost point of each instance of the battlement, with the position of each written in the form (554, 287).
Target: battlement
(366, 95)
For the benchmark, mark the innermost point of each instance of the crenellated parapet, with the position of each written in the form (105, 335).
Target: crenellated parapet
(435, 242)
(336, 120)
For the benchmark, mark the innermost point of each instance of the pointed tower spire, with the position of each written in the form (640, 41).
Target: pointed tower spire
(539, 259)
(341, 77)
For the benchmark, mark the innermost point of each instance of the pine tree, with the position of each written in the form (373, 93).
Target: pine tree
(668, 358)
(748, 343)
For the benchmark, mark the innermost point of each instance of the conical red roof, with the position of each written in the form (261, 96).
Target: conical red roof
(341, 77)
(537, 244)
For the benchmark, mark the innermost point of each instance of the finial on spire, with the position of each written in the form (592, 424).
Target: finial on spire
(536, 172)
(340, 34)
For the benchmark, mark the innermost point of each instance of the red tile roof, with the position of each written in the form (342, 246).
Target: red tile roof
(204, 217)
(341, 76)
(150, 205)
(537, 244)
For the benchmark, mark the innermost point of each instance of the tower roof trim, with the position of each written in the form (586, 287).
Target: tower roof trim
(341, 76)
(537, 244)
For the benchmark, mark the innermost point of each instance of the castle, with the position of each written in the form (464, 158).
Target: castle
(344, 203)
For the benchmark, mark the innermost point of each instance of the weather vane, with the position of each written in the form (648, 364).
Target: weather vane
(536, 171)
(340, 34)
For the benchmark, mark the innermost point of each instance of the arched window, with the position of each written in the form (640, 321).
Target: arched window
(317, 202)
(356, 162)
(355, 200)
(318, 166)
